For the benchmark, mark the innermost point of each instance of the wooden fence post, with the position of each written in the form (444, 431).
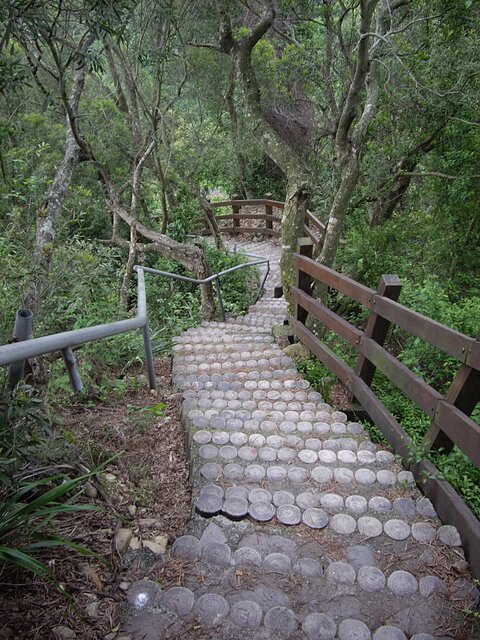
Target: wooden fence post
(377, 327)
(268, 212)
(236, 221)
(304, 281)
(464, 393)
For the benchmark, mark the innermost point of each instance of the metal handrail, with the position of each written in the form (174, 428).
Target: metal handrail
(18, 352)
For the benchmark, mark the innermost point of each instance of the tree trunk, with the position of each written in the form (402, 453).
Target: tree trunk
(242, 167)
(49, 214)
(293, 220)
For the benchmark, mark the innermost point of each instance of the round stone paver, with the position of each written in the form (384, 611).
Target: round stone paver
(307, 456)
(449, 536)
(237, 492)
(331, 502)
(429, 585)
(315, 518)
(307, 500)
(281, 622)
(245, 556)
(404, 506)
(389, 633)
(277, 563)
(423, 532)
(371, 579)
(425, 508)
(308, 568)
(233, 471)
(238, 439)
(211, 609)
(343, 476)
(217, 553)
(283, 497)
(286, 454)
(297, 475)
(208, 504)
(235, 508)
(353, 630)
(386, 477)
(343, 524)
(247, 453)
(340, 572)
(318, 626)
(220, 437)
(322, 475)
(180, 600)
(187, 547)
(276, 474)
(289, 514)
(254, 473)
(422, 636)
(202, 437)
(396, 529)
(369, 527)
(144, 593)
(365, 476)
(260, 495)
(268, 454)
(327, 457)
(247, 614)
(211, 471)
(356, 504)
(402, 583)
(214, 489)
(262, 511)
(379, 504)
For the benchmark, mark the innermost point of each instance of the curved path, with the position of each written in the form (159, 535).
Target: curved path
(303, 528)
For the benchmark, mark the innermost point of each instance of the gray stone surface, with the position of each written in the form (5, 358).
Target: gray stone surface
(235, 508)
(353, 630)
(308, 567)
(371, 579)
(389, 633)
(261, 511)
(289, 514)
(360, 556)
(449, 536)
(402, 583)
(260, 495)
(356, 504)
(318, 626)
(429, 585)
(281, 622)
(245, 556)
(179, 600)
(379, 504)
(315, 518)
(340, 572)
(343, 524)
(211, 610)
(187, 547)
(283, 497)
(277, 563)
(396, 529)
(369, 527)
(246, 614)
(307, 500)
(144, 594)
(217, 554)
(423, 532)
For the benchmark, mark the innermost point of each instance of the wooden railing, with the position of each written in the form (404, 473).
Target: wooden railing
(270, 221)
(450, 421)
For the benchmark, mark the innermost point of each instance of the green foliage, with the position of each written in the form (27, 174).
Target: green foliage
(319, 376)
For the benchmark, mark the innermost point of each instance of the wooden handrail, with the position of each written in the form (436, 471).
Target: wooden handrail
(313, 228)
(451, 423)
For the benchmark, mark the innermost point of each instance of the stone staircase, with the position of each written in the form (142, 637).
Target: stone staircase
(302, 527)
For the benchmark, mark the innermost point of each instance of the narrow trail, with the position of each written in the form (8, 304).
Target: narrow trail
(303, 528)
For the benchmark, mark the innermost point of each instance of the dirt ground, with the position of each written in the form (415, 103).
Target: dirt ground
(143, 498)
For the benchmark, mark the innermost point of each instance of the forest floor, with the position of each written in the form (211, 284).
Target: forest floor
(143, 499)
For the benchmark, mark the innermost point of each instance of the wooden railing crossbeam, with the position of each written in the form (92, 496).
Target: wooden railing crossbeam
(451, 423)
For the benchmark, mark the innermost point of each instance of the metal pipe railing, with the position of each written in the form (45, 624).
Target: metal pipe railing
(16, 353)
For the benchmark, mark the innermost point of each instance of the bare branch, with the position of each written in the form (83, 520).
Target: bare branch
(438, 174)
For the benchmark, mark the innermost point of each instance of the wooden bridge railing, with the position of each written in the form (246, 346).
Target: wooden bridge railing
(270, 221)
(450, 421)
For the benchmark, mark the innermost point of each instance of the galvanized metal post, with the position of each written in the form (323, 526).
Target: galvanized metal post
(22, 330)
(71, 364)
(152, 383)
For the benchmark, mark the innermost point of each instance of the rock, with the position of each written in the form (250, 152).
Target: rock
(298, 352)
(132, 510)
(135, 543)
(124, 586)
(110, 477)
(122, 539)
(158, 548)
(281, 622)
(402, 583)
(63, 633)
(111, 636)
(90, 491)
